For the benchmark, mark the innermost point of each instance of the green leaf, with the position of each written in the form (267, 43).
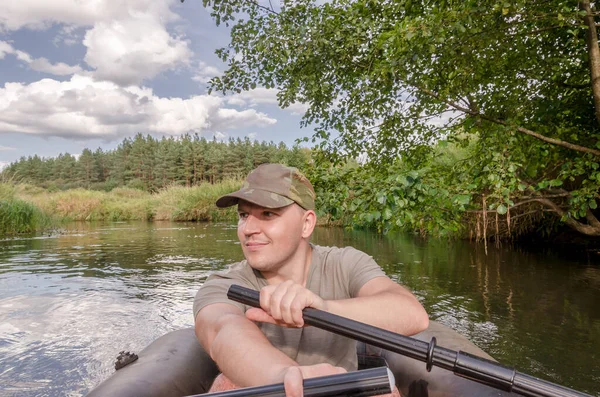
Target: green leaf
(387, 214)
(501, 209)
(463, 199)
(401, 179)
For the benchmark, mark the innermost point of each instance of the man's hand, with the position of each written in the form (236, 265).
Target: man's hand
(293, 376)
(282, 304)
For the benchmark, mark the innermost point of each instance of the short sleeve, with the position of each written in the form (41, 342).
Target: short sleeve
(214, 290)
(361, 267)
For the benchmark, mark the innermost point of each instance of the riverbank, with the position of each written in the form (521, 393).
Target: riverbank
(25, 208)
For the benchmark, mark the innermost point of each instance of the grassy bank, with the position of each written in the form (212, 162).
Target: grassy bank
(25, 208)
(19, 216)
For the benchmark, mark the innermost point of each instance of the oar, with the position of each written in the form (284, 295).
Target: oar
(462, 364)
(368, 382)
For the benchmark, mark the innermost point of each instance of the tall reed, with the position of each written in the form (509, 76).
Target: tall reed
(195, 203)
(25, 208)
(18, 216)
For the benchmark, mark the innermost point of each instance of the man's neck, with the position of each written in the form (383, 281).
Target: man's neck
(295, 269)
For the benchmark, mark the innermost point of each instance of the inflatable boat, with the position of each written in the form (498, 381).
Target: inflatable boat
(176, 365)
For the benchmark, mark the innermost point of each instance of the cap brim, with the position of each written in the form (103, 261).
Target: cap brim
(260, 197)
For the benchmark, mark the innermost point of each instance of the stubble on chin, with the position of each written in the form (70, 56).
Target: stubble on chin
(254, 262)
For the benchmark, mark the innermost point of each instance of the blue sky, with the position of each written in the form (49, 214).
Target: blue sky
(88, 73)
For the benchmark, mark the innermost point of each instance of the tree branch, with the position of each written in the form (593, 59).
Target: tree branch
(591, 218)
(515, 217)
(545, 196)
(588, 230)
(576, 86)
(594, 54)
(271, 10)
(522, 130)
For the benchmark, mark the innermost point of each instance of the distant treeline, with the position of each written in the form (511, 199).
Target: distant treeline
(150, 164)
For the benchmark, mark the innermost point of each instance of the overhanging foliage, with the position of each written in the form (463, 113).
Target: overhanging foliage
(390, 79)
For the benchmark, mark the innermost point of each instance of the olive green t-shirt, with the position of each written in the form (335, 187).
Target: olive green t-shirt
(334, 273)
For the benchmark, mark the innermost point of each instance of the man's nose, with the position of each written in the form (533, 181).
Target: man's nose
(251, 225)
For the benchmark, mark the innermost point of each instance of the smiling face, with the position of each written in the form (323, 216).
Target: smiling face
(273, 239)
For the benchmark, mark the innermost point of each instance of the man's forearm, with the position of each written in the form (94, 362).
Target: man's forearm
(251, 360)
(389, 310)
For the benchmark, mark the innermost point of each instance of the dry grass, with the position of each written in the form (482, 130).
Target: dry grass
(175, 203)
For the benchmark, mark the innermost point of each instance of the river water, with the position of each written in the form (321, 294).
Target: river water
(70, 302)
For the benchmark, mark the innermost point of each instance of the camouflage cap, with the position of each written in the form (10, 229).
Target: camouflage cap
(273, 186)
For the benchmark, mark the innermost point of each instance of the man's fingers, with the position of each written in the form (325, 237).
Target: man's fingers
(292, 382)
(293, 378)
(259, 315)
(284, 302)
(265, 297)
(285, 306)
(295, 310)
(276, 297)
(311, 371)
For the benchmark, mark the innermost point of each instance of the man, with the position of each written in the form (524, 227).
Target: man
(270, 345)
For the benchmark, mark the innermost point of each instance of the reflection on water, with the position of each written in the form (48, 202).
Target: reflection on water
(70, 302)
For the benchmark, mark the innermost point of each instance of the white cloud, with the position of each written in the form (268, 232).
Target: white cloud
(263, 96)
(3, 164)
(236, 101)
(83, 108)
(38, 64)
(40, 14)
(220, 136)
(127, 40)
(205, 73)
(58, 69)
(6, 148)
(68, 35)
(297, 108)
(231, 118)
(252, 136)
(5, 48)
(254, 97)
(128, 52)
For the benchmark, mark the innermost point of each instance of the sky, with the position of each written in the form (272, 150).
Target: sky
(78, 74)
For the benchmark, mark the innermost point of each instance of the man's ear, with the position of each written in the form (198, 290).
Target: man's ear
(308, 224)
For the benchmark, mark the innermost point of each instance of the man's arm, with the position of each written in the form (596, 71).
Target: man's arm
(244, 354)
(380, 302)
(238, 346)
(385, 304)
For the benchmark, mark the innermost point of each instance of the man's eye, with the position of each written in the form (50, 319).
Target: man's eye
(268, 214)
(242, 215)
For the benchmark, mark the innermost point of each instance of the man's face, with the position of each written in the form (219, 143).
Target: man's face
(270, 237)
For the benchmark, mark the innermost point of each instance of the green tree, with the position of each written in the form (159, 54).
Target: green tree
(187, 160)
(66, 166)
(85, 168)
(199, 146)
(518, 81)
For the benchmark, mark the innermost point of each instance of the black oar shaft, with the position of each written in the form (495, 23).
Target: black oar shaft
(461, 363)
(368, 382)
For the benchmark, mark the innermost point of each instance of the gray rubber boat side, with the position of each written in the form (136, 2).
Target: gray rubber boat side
(173, 365)
(176, 365)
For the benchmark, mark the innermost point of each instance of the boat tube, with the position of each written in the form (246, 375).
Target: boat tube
(176, 365)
